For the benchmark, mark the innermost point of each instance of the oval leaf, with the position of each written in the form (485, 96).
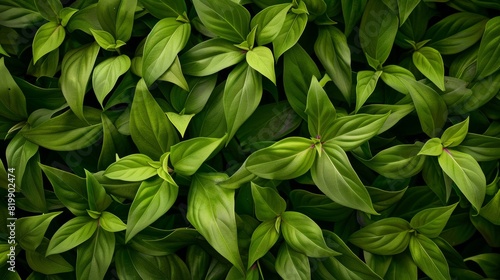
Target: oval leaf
(106, 75)
(48, 38)
(71, 234)
(261, 60)
(189, 155)
(430, 63)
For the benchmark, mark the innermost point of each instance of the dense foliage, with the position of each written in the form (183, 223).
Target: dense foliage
(264, 139)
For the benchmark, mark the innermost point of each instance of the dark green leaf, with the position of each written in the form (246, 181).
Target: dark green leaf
(117, 17)
(165, 8)
(352, 12)
(488, 263)
(99, 200)
(49, 9)
(95, 255)
(12, 100)
(53, 264)
(292, 265)
(30, 230)
(317, 206)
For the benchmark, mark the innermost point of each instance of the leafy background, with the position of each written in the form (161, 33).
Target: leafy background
(312, 139)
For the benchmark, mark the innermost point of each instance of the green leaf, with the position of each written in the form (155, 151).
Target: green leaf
(261, 60)
(175, 76)
(12, 100)
(153, 199)
(47, 66)
(455, 134)
(405, 8)
(65, 14)
(318, 206)
(189, 155)
(167, 38)
(70, 189)
(430, 63)
(165, 8)
(263, 239)
(49, 9)
(111, 223)
(397, 77)
(224, 18)
(377, 33)
(211, 56)
(180, 122)
(487, 56)
(242, 94)
(286, 159)
(16, 16)
(402, 267)
(48, 38)
(30, 230)
(334, 54)
(291, 264)
(428, 257)
(366, 83)
(77, 66)
(432, 147)
(211, 122)
(320, 112)
(18, 153)
(431, 221)
(95, 255)
(211, 212)
(456, 32)
(298, 70)
(289, 34)
(345, 266)
(335, 177)
(350, 132)
(113, 143)
(268, 203)
(117, 17)
(389, 236)
(198, 261)
(71, 234)
(491, 211)
(467, 175)
(150, 128)
(488, 263)
(99, 200)
(67, 132)
(106, 75)
(105, 39)
(132, 168)
(269, 22)
(431, 109)
(53, 264)
(352, 12)
(303, 235)
(384, 199)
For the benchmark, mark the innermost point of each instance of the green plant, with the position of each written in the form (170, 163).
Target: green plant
(219, 139)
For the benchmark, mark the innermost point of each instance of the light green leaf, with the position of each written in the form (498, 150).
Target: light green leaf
(456, 32)
(48, 38)
(467, 175)
(30, 230)
(432, 147)
(335, 177)
(389, 236)
(334, 54)
(211, 122)
(320, 112)
(150, 128)
(366, 83)
(292, 265)
(67, 131)
(430, 63)
(132, 168)
(71, 234)
(224, 18)
(211, 212)
(167, 38)
(242, 94)
(153, 199)
(111, 223)
(480, 147)
(286, 159)
(263, 239)
(12, 100)
(303, 235)
(289, 34)
(65, 14)
(211, 56)
(241, 176)
(117, 17)
(106, 40)
(95, 255)
(77, 66)
(377, 33)
(431, 221)
(175, 76)
(455, 134)
(106, 75)
(351, 131)
(194, 101)
(298, 70)
(261, 60)
(269, 22)
(187, 156)
(180, 122)
(268, 203)
(429, 258)
(352, 12)
(397, 77)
